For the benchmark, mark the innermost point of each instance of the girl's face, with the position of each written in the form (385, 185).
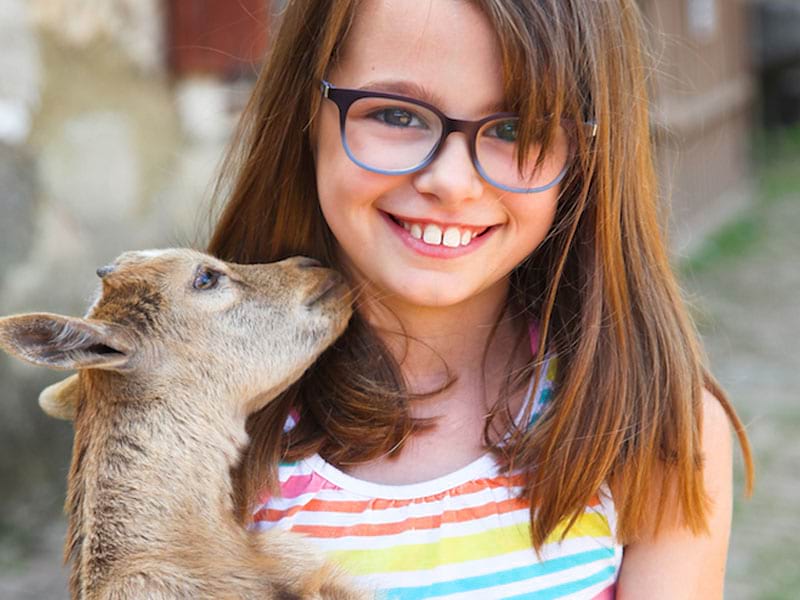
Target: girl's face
(445, 53)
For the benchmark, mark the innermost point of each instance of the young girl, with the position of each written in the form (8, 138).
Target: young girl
(519, 407)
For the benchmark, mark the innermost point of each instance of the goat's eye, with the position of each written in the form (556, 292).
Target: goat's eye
(206, 279)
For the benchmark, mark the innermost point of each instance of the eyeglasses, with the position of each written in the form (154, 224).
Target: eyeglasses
(395, 135)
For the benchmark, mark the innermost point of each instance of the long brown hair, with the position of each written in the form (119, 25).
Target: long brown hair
(631, 371)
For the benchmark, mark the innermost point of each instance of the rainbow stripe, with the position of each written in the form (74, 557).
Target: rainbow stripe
(471, 540)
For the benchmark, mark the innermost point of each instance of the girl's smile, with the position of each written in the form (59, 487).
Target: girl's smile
(438, 240)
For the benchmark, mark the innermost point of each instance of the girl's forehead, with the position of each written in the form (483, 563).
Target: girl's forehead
(446, 47)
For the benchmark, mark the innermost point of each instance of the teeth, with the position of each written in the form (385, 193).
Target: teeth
(432, 235)
(452, 237)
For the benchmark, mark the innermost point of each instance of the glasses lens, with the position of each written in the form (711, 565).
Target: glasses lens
(498, 154)
(390, 135)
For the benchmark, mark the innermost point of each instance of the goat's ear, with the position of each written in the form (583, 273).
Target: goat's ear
(60, 400)
(66, 342)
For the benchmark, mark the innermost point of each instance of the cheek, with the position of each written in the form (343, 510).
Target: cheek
(534, 216)
(346, 192)
(333, 168)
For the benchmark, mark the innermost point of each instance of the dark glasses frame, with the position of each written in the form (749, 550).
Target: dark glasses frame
(345, 97)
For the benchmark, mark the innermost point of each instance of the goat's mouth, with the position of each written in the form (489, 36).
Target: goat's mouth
(332, 287)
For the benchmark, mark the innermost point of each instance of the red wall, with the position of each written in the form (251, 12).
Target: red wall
(220, 37)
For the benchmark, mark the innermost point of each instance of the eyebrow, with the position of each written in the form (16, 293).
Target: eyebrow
(420, 92)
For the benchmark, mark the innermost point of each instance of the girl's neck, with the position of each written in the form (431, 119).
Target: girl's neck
(461, 343)
(433, 344)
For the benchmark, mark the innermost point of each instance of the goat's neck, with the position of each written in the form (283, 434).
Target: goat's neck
(146, 470)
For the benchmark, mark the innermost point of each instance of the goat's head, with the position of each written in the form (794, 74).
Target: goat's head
(182, 319)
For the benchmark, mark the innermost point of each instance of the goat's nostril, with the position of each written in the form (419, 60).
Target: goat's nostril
(103, 271)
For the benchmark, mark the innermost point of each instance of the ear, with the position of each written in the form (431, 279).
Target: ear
(67, 342)
(60, 400)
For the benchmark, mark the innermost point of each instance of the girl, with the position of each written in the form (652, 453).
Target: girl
(520, 406)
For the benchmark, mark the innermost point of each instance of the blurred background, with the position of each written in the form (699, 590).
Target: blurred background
(113, 118)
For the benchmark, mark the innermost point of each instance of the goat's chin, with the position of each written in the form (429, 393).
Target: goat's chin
(259, 401)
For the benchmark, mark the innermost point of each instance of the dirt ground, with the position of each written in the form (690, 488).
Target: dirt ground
(746, 297)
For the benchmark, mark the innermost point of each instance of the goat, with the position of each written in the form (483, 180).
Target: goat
(177, 351)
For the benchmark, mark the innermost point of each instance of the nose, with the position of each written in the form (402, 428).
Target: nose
(451, 176)
(103, 271)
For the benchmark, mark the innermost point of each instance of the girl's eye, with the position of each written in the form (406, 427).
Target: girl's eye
(504, 130)
(206, 279)
(398, 117)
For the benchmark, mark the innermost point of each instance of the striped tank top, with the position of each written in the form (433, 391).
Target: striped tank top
(465, 535)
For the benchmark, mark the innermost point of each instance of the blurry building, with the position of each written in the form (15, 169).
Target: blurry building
(776, 44)
(222, 38)
(705, 94)
(213, 50)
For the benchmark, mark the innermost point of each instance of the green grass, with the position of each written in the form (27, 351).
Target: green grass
(776, 156)
(776, 159)
(733, 240)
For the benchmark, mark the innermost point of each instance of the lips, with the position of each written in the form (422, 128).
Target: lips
(438, 234)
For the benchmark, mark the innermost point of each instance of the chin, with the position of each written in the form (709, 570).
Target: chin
(431, 295)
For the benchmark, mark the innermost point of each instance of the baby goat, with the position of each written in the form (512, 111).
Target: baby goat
(175, 354)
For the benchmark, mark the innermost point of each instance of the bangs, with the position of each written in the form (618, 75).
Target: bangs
(545, 77)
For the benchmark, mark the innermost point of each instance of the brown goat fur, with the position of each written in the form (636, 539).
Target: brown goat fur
(174, 355)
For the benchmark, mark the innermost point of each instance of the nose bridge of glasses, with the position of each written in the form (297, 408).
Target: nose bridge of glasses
(467, 131)
(468, 128)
